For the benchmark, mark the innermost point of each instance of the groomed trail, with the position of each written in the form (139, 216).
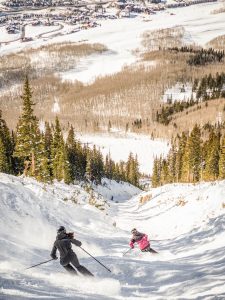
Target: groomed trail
(187, 221)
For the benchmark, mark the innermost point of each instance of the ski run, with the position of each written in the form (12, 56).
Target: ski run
(185, 223)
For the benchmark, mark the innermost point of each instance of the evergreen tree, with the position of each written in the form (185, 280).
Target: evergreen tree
(89, 166)
(185, 173)
(222, 159)
(122, 170)
(48, 138)
(172, 162)
(4, 167)
(6, 146)
(156, 173)
(212, 157)
(132, 173)
(71, 152)
(60, 164)
(43, 164)
(194, 151)
(164, 174)
(180, 155)
(27, 137)
(98, 166)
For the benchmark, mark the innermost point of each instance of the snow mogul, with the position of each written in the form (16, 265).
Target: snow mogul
(68, 259)
(142, 240)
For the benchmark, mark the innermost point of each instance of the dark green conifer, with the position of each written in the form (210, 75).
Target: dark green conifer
(27, 136)
(222, 159)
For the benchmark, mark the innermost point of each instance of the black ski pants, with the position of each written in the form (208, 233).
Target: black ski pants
(74, 262)
(149, 249)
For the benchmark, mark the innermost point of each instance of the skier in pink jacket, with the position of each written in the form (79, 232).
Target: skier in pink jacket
(142, 240)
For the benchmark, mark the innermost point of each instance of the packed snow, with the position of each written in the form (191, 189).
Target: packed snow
(179, 92)
(184, 221)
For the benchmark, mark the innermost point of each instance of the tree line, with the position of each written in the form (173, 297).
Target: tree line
(47, 155)
(207, 88)
(200, 57)
(210, 87)
(191, 159)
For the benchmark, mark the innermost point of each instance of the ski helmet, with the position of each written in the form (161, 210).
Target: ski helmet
(133, 230)
(61, 229)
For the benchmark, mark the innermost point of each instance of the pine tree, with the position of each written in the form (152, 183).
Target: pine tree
(122, 170)
(155, 173)
(4, 167)
(6, 147)
(43, 164)
(71, 152)
(164, 176)
(89, 166)
(48, 138)
(130, 169)
(194, 159)
(172, 162)
(185, 173)
(212, 157)
(27, 137)
(179, 156)
(60, 164)
(98, 166)
(222, 159)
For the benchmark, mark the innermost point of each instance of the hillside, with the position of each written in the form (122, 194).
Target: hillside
(186, 220)
(108, 74)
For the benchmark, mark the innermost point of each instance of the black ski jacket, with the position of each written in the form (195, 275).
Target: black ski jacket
(64, 245)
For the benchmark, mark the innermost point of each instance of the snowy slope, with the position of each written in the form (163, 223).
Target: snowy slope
(191, 263)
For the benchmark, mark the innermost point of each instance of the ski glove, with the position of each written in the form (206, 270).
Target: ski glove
(131, 245)
(76, 242)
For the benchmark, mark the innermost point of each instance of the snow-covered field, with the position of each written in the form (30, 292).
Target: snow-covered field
(186, 220)
(124, 36)
(119, 145)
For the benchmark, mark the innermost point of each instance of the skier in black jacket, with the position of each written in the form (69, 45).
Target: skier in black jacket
(63, 244)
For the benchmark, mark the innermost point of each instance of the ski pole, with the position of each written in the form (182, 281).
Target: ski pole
(44, 262)
(96, 260)
(126, 252)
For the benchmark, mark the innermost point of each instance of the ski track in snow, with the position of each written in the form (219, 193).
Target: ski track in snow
(191, 263)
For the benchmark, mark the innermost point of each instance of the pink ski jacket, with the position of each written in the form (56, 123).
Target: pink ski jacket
(141, 239)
